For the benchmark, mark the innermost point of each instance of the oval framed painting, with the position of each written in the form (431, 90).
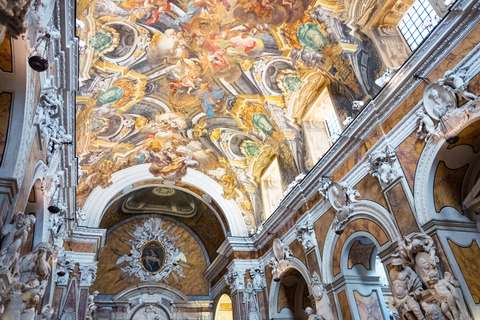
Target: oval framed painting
(153, 257)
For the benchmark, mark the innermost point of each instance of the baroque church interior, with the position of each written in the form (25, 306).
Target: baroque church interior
(239, 159)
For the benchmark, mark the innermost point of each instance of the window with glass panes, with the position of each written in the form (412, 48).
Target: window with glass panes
(333, 125)
(412, 24)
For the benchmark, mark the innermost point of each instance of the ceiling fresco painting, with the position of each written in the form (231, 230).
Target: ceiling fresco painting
(218, 86)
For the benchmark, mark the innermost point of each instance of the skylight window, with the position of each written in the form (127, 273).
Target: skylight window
(333, 126)
(417, 23)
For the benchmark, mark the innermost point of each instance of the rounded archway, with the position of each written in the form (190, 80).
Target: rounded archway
(224, 308)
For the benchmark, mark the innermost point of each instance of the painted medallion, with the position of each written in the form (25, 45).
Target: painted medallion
(153, 257)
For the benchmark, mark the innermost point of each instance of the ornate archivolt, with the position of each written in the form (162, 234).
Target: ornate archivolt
(361, 209)
(440, 100)
(100, 198)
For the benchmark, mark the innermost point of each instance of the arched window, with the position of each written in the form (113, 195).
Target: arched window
(271, 184)
(224, 308)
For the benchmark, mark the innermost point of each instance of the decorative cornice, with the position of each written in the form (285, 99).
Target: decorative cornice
(9, 187)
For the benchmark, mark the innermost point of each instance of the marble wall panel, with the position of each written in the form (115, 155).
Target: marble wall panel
(350, 163)
(312, 263)
(444, 264)
(286, 297)
(321, 227)
(344, 307)
(5, 106)
(57, 299)
(469, 135)
(374, 137)
(368, 306)
(6, 52)
(447, 187)
(408, 153)
(82, 304)
(468, 258)
(354, 226)
(370, 189)
(361, 254)
(297, 250)
(79, 246)
(333, 305)
(401, 210)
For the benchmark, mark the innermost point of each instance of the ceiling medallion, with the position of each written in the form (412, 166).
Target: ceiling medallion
(154, 255)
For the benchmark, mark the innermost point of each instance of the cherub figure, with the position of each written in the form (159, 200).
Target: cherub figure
(458, 82)
(311, 316)
(449, 300)
(426, 126)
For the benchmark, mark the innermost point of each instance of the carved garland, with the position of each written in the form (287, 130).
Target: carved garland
(152, 232)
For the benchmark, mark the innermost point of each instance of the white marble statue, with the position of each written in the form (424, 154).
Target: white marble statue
(426, 126)
(406, 289)
(446, 296)
(14, 235)
(458, 82)
(311, 316)
(91, 305)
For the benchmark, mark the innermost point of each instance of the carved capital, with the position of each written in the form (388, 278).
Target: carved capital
(235, 279)
(88, 273)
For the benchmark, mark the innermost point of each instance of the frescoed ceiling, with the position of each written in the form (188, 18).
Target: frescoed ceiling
(221, 86)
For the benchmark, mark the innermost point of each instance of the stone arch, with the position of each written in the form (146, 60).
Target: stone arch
(368, 217)
(226, 314)
(425, 171)
(99, 198)
(293, 263)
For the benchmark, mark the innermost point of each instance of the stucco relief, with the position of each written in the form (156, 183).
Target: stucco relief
(151, 266)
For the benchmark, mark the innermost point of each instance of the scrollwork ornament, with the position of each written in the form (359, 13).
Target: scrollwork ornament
(306, 234)
(384, 165)
(173, 261)
(317, 286)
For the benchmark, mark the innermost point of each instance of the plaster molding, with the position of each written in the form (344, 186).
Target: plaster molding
(362, 209)
(99, 198)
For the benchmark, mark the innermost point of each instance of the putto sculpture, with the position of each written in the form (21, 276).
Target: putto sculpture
(417, 289)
